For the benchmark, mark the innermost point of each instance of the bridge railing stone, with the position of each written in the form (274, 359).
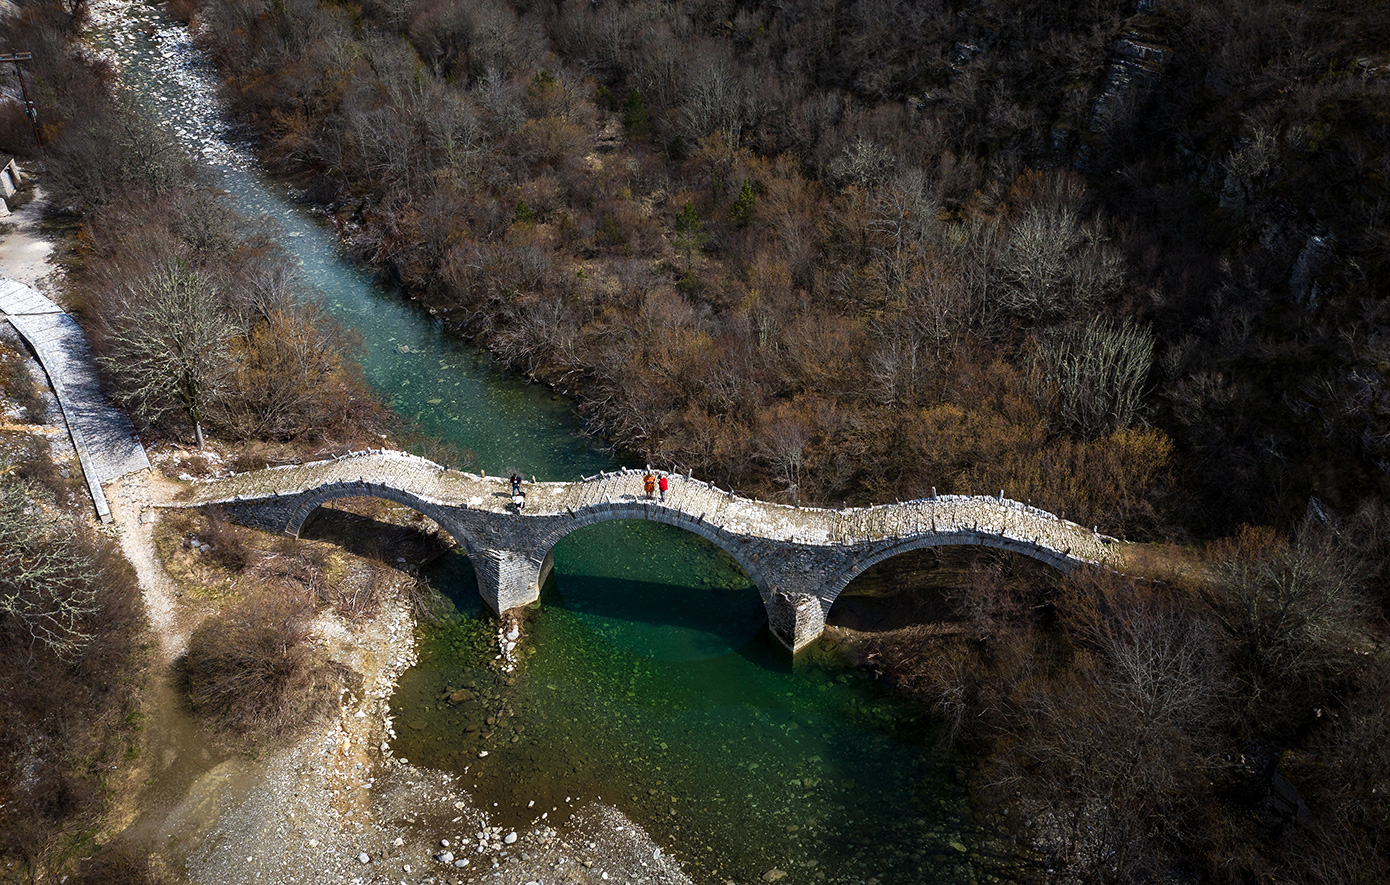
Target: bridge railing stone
(698, 504)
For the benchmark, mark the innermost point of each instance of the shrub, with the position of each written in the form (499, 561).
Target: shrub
(48, 592)
(254, 670)
(17, 384)
(1090, 380)
(68, 655)
(227, 541)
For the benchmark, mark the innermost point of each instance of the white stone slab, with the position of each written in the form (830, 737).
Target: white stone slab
(19, 299)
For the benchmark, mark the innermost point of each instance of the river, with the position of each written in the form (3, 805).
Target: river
(646, 678)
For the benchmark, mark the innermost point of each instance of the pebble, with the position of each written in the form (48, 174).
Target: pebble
(445, 857)
(510, 837)
(364, 857)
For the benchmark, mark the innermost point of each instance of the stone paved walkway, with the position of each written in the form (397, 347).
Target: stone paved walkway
(105, 441)
(699, 500)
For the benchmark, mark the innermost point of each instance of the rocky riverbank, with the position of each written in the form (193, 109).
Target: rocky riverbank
(338, 805)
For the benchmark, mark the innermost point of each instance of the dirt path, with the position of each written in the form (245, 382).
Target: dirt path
(24, 250)
(132, 499)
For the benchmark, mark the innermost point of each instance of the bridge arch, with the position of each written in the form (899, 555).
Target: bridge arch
(836, 582)
(735, 547)
(308, 503)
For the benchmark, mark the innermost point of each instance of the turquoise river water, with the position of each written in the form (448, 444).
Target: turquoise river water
(647, 678)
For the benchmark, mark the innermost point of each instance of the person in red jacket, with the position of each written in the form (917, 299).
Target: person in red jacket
(663, 485)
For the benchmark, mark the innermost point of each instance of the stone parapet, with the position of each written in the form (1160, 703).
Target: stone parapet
(800, 558)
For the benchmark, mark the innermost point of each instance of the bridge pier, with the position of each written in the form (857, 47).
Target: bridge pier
(796, 619)
(507, 579)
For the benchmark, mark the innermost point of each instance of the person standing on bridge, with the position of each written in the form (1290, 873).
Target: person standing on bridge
(516, 483)
(663, 485)
(649, 483)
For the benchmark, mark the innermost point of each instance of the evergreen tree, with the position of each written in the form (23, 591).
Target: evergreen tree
(742, 210)
(635, 115)
(688, 239)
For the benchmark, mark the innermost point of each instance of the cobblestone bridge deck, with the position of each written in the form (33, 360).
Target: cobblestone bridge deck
(800, 558)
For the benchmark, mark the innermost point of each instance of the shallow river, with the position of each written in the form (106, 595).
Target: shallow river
(647, 678)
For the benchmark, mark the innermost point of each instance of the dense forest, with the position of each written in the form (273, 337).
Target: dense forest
(1124, 260)
(1120, 262)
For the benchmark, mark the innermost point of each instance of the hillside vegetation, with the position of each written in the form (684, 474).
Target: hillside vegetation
(1125, 260)
(1123, 263)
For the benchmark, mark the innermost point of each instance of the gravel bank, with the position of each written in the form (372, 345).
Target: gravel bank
(338, 807)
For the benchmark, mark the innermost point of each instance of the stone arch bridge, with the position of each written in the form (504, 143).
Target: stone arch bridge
(800, 558)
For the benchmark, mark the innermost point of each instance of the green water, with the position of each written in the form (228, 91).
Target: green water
(646, 677)
(647, 680)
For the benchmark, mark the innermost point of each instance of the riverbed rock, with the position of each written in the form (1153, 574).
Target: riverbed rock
(461, 696)
(445, 857)
(774, 875)
(364, 857)
(510, 837)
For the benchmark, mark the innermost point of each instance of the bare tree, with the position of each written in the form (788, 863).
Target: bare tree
(1090, 380)
(108, 155)
(714, 102)
(863, 164)
(896, 368)
(1296, 615)
(46, 583)
(782, 442)
(1053, 264)
(170, 349)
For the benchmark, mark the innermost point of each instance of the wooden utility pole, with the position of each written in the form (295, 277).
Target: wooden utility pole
(30, 110)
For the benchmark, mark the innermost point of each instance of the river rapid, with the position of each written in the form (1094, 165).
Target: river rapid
(646, 678)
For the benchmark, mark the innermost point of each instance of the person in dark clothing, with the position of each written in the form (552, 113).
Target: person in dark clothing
(516, 484)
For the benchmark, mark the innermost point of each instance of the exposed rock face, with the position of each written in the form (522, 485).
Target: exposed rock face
(1135, 70)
